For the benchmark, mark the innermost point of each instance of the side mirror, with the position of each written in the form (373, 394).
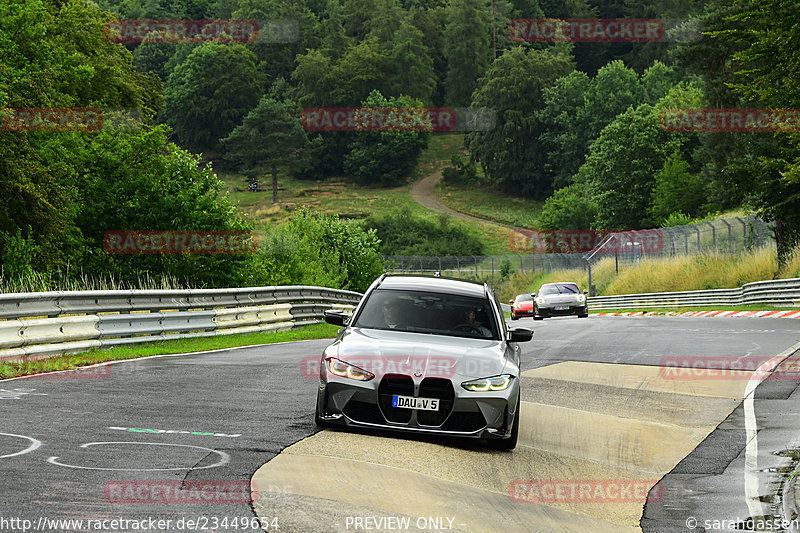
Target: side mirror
(520, 334)
(585, 291)
(335, 317)
(534, 294)
(511, 302)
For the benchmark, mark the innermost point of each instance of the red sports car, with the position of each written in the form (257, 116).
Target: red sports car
(521, 306)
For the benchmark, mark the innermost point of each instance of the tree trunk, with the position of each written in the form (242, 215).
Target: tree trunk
(787, 236)
(274, 184)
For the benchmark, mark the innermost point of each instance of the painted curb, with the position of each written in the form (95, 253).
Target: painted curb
(710, 314)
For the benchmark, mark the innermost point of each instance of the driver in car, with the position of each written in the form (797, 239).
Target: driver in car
(469, 323)
(390, 314)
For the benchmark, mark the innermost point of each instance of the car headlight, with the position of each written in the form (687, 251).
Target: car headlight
(489, 384)
(540, 301)
(337, 367)
(581, 298)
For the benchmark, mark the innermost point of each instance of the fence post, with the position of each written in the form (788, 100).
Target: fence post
(492, 258)
(744, 233)
(713, 235)
(476, 265)
(685, 239)
(730, 237)
(697, 229)
(591, 287)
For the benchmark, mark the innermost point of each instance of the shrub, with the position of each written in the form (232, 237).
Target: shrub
(401, 233)
(461, 172)
(18, 253)
(319, 249)
(568, 208)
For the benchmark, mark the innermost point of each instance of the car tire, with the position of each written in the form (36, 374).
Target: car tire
(317, 420)
(538, 317)
(514, 317)
(511, 442)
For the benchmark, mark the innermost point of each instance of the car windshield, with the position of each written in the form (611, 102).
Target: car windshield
(523, 298)
(560, 288)
(428, 312)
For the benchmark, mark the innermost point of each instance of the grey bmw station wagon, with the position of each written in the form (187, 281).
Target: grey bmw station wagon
(424, 355)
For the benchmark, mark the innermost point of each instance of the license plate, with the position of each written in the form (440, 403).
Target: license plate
(410, 402)
(561, 307)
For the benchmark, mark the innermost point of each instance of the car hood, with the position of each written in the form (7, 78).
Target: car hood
(383, 352)
(524, 305)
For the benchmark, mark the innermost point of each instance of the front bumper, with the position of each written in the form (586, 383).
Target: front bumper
(465, 414)
(548, 311)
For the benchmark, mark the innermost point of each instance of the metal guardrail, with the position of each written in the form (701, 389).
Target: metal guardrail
(35, 325)
(778, 293)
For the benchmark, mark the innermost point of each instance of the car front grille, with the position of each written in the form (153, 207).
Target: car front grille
(436, 388)
(392, 384)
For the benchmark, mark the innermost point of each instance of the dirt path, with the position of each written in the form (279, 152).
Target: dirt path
(423, 191)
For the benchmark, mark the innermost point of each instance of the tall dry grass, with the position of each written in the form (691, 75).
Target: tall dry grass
(680, 273)
(792, 267)
(695, 272)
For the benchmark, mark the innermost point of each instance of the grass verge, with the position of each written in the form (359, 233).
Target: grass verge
(680, 273)
(350, 200)
(201, 344)
(487, 203)
(662, 310)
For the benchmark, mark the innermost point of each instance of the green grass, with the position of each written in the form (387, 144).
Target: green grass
(440, 149)
(350, 200)
(201, 344)
(662, 310)
(484, 202)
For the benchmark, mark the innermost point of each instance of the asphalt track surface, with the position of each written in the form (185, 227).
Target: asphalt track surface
(67, 443)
